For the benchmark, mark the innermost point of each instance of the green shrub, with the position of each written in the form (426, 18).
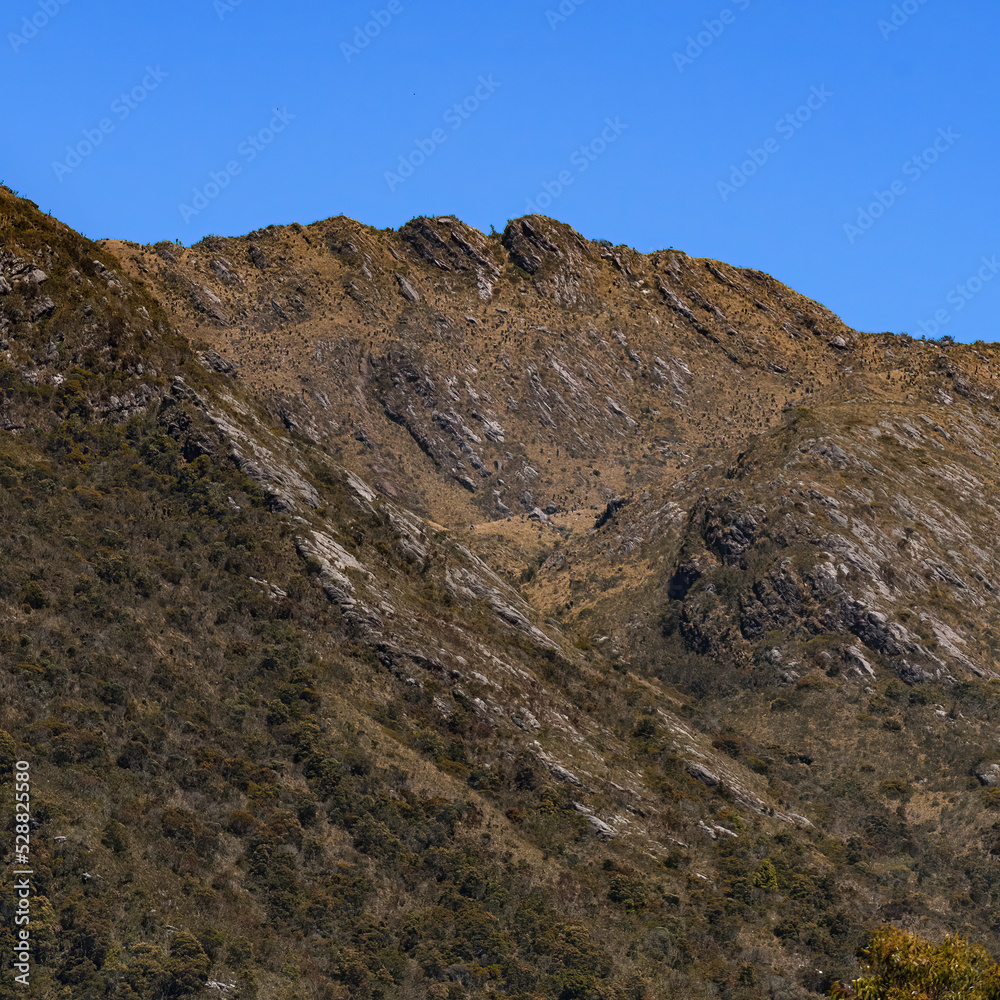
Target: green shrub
(115, 837)
(187, 968)
(901, 965)
(34, 596)
(766, 877)
(628, 890)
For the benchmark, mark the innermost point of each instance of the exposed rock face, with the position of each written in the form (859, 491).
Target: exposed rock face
(703, 774)
(206, 301)
(989, 775)
(224, 271)
(218, 363)
(602, 829)
(406, 289)
(450, 245)
(41, 307)
(257, 257)
(562, 262)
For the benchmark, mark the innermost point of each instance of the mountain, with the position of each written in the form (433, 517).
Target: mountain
(423, 613)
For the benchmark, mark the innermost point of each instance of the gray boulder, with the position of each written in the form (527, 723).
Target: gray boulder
(257, 257)
(406, 289)
(703, 774)
(41, 307)
(989, 775)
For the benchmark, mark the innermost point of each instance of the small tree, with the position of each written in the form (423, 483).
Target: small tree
(766, 877)
(188, 966)
(904, 967)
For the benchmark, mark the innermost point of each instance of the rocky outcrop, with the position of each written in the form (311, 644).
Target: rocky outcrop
(562, 263)
(989, 775)
(206, 301)
(452, 246)
(406, 289)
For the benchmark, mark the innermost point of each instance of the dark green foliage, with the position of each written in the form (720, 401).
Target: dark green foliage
(34, 596)
(187, 968)
(115, 837)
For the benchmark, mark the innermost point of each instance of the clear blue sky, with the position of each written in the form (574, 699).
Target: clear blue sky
(206, 76)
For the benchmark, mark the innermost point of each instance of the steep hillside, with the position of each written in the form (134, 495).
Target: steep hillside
(428, 614)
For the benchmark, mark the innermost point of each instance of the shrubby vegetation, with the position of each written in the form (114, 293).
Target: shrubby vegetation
(901, 965)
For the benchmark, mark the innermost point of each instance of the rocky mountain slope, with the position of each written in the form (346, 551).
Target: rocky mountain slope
(423, 613)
